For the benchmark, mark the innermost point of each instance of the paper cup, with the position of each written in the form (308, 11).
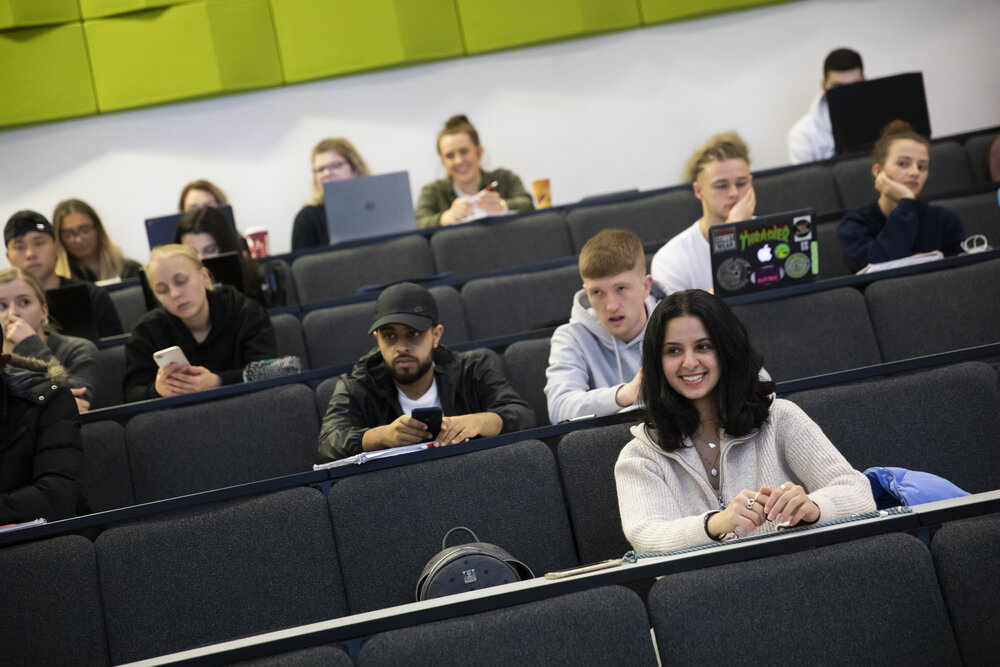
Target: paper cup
(542, 192)
(258, 242)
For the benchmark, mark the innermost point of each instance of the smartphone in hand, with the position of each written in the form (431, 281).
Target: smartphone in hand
(431, 417)
(174, 354)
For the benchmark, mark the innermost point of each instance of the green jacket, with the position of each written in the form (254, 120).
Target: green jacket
(437, 197)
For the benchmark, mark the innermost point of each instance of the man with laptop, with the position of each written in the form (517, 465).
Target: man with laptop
(594, 359)
(409, 374)
(811, 138)
(31, 245)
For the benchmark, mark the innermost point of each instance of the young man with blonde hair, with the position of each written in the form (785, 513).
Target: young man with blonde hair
(594, 360)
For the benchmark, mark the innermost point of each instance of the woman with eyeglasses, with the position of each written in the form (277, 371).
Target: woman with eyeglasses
(89, 251)
(334, 159)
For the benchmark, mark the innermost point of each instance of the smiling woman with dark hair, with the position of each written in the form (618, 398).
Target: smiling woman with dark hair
(718, 455)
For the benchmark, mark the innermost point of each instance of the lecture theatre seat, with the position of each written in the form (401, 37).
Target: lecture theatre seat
(110, 373)
(979, 214)
(977, 148)
(831, 252)
(950, 170)
(107, 480)
(944, 421)
(288, 334)
(130, 304)
(521, 302)
(218, 573)
(867, 602)
(388, 523)
(854, 181)
(602, 626)
(657, 217)
(526, 361)
(804, 187)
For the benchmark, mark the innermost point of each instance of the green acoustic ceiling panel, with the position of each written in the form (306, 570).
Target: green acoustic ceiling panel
(94, 9)
(489, 25)
(321, 38)
(24, 13)
(45, 75)
(659, 11)
(183, 51)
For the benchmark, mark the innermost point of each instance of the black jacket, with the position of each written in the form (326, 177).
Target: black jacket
(41, 459)
(241, 332)
(468, 382)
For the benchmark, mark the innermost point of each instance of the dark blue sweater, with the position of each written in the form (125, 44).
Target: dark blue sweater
(868, 237)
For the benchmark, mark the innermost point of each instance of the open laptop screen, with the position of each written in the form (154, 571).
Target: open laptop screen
(368, 206)
(859, 111)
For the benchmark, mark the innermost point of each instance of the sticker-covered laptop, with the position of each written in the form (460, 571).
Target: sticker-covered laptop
(770, 251)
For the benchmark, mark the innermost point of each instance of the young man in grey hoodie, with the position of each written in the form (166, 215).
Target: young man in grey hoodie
(594, 360)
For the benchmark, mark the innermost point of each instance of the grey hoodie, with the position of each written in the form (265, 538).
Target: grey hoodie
(587, 364)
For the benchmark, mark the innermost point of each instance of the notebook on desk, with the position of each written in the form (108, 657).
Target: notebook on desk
(160, 230)
(859, 111)
(368, 206)
(777, 250)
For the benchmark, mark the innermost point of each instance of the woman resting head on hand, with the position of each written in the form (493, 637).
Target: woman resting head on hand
(218, 329)
(718, 455)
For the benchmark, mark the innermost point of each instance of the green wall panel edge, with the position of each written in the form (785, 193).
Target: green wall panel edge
(663, 11)
(323, 38)
(45, 75)
(27, 13)
(490, 26)
(95, 9)
(183, 51)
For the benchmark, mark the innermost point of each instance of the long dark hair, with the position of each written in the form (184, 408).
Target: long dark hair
(208, 220)
(742, 399)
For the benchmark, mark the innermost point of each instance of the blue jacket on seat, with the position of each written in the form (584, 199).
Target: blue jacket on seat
(892, 487)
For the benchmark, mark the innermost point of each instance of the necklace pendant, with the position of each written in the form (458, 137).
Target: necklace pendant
(715, 473)
(711, 445)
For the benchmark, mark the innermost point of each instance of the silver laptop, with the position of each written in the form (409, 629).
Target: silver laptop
(367, 206)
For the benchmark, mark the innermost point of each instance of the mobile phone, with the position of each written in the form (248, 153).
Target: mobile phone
(603, 565)
(431, 417)
(170, 354)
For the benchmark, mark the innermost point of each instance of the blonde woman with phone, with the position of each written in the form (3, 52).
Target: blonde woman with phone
(216, 329)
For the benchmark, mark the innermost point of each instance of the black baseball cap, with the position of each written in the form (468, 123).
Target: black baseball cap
(408, 304)
(23, 222)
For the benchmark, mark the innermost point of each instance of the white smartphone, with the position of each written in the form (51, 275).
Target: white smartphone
(174, 354)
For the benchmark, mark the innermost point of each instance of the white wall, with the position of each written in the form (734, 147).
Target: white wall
(594, 115)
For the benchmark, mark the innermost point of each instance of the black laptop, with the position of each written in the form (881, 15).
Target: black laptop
(72, 310)
(160, 230)
(771, 251)
(859, 111)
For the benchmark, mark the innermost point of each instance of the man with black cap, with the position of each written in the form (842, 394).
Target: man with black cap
(31, 245)
(370, 407)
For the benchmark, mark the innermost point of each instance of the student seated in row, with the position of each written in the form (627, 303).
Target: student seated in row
(90, 253)
(463, 194)
(209, 234)
(334, 159)
(199, 194)
(31, 245)
(897, 225)
(27, 332)
(218, 330)
(595, 359)
(371, 406)
(718, 455)
(720, 176)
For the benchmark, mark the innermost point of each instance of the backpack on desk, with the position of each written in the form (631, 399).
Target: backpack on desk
(468, 567)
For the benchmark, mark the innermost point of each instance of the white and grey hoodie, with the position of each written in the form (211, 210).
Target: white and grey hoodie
(587, 364)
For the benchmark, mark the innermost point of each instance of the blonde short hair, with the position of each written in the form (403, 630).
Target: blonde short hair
(725, 146)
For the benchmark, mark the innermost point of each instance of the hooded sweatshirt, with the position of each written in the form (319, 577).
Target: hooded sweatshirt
(587, 364)
(811, 138)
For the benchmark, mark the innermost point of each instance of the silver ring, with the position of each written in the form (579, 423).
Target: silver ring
(782, 487)
(750, 503)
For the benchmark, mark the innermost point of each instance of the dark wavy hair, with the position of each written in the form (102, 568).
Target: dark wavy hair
(208, 220)
(742, 399)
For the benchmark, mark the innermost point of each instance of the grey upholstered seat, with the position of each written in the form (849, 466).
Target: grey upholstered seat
(944, 421)
(854, 181)
(237, 440)
(501, 243)
(654, 218)
(326, 655)
(950, 170)
(339, 273)
(218, 573)
(110, 373)
(601, 626)
(979, 214)
(338, 335)
(936, 311)
(520, 302)
(977, 149)
(107, 480)
(868, 602)
(52, 604)
(803, 187)
(811, 334)
(288, 332)
(390, 522)
(526, 361)
(965, 555)
(587, 465)
(831, 252)
(130, 304)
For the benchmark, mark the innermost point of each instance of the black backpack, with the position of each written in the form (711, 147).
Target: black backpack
(468, 567)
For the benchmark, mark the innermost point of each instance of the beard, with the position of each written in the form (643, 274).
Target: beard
(410, 376)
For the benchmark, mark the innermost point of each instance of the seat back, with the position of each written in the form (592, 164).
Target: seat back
(237, 440)
(979, 214)
(526, 361)
(937, 311)
(288, 333)
(950, 170)
(977, 149)
(218, 573)
(811, 334)
(875, 600)
(601, 626)
(501, 243)
(110, 374)
(654, 218)
(854, 181)
(509, 496)
(339, 273)
(831, 252)
(587, 465)
(802, 187)
(130, 304)
(107, 480)
(944, 421)
(519, 303)
(52, 604)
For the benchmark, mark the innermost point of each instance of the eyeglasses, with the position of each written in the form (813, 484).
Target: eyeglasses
(84, 232)
(332, 166)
